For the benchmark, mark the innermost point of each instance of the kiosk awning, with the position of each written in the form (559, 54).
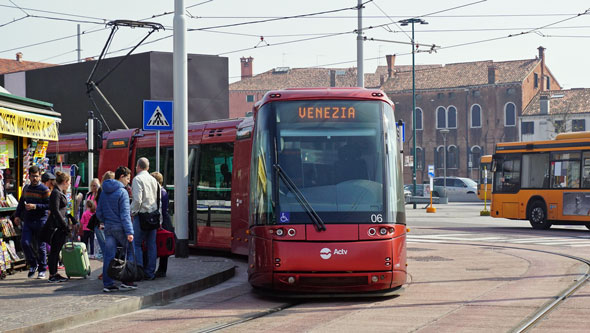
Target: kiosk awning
(28, 124)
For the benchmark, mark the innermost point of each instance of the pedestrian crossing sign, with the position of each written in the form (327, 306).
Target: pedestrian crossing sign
(157, 115)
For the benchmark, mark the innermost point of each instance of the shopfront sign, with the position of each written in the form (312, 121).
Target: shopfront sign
(28, 125)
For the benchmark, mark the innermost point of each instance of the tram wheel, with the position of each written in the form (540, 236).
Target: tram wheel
(538, 216)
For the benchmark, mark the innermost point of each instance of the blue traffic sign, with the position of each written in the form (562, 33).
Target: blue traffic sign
(157, 115)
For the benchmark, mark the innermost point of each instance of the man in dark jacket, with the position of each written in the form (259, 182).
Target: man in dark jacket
(32, 209)
(113, 210)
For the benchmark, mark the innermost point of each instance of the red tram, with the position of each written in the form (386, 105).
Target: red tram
(326, 193)
(219, 166)
(310, 188)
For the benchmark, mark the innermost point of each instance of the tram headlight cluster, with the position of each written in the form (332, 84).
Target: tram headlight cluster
(281, 232)
(383, 231)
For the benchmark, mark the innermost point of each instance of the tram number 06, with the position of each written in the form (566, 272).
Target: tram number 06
(376, 218)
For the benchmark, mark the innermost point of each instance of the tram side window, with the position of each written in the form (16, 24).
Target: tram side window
(150, 154)
(535, 170)
(586, 170)
(508, 174)
(214, 186)
(565, 170)
(80, 159)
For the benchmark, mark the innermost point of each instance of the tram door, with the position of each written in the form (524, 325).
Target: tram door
(212, 195)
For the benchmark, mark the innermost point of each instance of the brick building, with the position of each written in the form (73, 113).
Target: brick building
(479, 102)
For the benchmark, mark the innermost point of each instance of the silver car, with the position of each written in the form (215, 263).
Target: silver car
(458, 188)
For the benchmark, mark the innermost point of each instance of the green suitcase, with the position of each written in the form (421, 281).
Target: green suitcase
(75, 259)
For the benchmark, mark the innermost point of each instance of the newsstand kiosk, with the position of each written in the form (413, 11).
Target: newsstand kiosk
(26, 127)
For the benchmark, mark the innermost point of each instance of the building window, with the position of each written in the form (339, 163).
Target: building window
(452, 117)
(475, 157)
(441, 117)
(536, 80)
(527, 127)
(510, 114)
(548, 81)
(249, 98)
(452, 157)
(439, 157)
(419, 158)
(559, 126)
(418, 119)
(475, 116)
(578, 125)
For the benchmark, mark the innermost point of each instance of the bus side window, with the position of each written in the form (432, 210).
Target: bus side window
(586, 170)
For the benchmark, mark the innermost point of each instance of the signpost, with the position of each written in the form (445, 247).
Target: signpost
(157, 116)
(485, 211)
(431, 208)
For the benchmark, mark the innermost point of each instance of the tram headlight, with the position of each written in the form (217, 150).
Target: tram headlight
(372, 231)
(291, 280)
(383, 231)
(280, 232)
(374, 278)
(291, 232)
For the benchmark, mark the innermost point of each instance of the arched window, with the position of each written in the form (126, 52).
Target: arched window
(475, 116)
(439, 157)
(418, 118)
(452, 117)
(510, 114)
(419, 158)
(452, 157)
(475, 156)
(441, 117)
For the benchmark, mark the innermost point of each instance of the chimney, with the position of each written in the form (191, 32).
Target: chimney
(89, 59)
(19, 56)
(332, 78)
(544, 99)
(491, 74)
(246, 67)
(542, 57)
(390, 63)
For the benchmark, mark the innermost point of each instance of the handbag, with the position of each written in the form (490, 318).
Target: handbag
(151, 221)
(124, 270)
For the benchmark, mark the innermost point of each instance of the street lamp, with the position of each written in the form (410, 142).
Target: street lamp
(444, 133)
(405, 23)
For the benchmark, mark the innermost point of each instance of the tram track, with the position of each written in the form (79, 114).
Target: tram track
(532, 320)
(524, 326)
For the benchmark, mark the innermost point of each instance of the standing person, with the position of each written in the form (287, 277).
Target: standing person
(88, 234)
(57, 207)
(32, 209)
(166, 222)
(48, 179)
(113, 211)
(145, 193)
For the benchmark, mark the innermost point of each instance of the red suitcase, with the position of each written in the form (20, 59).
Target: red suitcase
(165, 243)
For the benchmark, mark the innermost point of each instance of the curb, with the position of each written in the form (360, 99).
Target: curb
(129, 305)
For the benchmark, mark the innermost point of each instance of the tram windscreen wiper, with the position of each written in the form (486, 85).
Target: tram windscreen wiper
(315, 218)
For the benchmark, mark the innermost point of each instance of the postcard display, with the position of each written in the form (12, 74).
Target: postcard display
(11, 255)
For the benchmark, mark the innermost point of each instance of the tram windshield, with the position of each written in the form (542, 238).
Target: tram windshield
(333, 151)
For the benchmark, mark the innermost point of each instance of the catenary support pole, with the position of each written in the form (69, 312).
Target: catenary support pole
(79, 49)
(180, 130)
(90, 147)
(360, 76)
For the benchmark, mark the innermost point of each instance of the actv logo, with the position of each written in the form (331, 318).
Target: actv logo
(326, 253)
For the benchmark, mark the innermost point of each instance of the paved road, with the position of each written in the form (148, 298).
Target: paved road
(466, 274)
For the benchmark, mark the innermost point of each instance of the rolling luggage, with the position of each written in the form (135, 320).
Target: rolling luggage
(75, 259)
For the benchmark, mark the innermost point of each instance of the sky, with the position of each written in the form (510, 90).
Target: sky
(322, 35)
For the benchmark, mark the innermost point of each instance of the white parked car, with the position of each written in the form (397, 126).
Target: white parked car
(458, 188)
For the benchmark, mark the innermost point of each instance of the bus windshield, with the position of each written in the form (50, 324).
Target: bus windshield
(334, 153)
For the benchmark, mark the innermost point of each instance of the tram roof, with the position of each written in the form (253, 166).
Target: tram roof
(324, 93)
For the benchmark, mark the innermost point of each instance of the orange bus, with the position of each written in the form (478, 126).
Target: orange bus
(545, 182)
(485, 163)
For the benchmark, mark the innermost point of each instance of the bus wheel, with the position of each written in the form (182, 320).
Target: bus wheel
(538, 216)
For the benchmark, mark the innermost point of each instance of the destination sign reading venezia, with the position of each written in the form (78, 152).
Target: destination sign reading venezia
(327, 112)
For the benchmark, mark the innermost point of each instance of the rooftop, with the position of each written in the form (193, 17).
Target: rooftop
(8, 66)
(561, 102)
